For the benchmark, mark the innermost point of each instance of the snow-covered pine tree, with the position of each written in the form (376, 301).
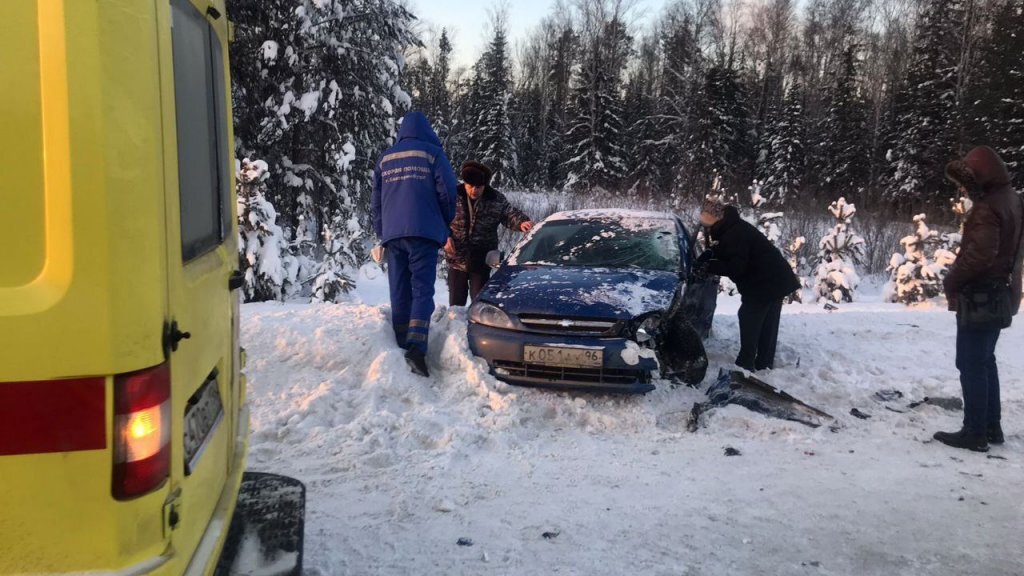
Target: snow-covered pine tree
(782, 159)
(997, 88)
(719, 131)
(268, 268)
(766, 221)
(468, 103)
(840, 251)
(316, 95)
(682, 76)
(532, 99)
(595, 138)
(439, 98)
(770, 224)
(928, 116)
(492, 131)
(798, 262)
(562, 48)
(915, 275)
(331, 282)
(950, 241)
(844, 146)
(426, 79)
(646, 166)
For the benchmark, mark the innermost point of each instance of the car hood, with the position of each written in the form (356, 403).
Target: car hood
(581, 292)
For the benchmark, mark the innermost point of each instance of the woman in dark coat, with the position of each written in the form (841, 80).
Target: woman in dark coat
(474, 232)
(761, 274)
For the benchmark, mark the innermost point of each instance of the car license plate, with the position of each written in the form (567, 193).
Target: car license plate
(203, 413)
(566, 357)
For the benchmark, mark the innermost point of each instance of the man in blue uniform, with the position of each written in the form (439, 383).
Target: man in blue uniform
(414, 202)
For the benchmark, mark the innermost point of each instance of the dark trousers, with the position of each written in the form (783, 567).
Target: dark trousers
(759, 334)
(979, 377)
(412, 272)
(462, 284)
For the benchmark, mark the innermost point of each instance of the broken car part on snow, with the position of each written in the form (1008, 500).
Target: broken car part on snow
(736, 387)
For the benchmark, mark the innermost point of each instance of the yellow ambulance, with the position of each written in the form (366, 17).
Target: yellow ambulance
(123, 431)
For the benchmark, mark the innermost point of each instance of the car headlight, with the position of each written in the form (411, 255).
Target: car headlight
(489, 315)
(647, 331)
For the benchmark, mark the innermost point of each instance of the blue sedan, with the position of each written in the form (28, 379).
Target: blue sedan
(596, 300)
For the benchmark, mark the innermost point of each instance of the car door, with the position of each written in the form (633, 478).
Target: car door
(202, 254)
(700, 293)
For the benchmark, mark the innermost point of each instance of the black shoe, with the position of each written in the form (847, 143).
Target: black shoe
(963, 439)
(995, 434)
(417, 362)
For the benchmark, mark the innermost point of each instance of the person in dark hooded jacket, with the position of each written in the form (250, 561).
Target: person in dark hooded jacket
(990, 250)
(413, 204)
(761, 274)
(474, 232)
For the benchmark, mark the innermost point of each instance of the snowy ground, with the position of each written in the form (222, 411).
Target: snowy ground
(400, 468)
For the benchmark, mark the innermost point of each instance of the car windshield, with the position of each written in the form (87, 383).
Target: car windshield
(647, 243)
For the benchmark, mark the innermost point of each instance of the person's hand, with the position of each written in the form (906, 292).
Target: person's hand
(951, 303)
(705, 257)
(526, 226)
(449, 246)
(377, 253)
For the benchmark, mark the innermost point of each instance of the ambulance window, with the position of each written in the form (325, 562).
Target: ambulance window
(202, 157)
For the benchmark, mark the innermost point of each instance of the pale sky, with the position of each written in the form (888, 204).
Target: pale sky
(467, 20)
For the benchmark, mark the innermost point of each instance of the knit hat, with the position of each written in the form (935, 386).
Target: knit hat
(475, 174)
(713, 207)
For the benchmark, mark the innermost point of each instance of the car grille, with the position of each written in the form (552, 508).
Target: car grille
(569, 375)
(558, 325)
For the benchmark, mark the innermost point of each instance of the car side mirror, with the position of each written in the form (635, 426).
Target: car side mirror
(493, 258)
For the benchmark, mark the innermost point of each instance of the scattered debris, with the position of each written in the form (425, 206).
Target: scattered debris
(551, 535)
(831, 307)
(464, 542)
(693, 421)
(859, 414)
(891, 409)
(813, 563)
(888, 395)
(730, 451)
(735, 387)
(994, 457)
(809, 453)
(961, 499)
(951, 404)
(973, 475)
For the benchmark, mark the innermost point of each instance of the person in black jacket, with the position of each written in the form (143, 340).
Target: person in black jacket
(474, 232)
(761, 274)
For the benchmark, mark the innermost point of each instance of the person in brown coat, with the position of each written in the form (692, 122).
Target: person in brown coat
(990, 250)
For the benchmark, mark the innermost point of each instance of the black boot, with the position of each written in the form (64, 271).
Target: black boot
(417, 362)
(963, 439)
(995, 434)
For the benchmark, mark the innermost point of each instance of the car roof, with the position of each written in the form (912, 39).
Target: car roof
(610, 213)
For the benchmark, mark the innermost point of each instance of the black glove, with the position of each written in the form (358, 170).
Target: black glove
(705, 257)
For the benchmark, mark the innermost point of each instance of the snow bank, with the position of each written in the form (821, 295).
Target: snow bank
(399, 468)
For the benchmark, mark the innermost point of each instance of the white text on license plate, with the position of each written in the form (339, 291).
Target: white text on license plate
(563, 357)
